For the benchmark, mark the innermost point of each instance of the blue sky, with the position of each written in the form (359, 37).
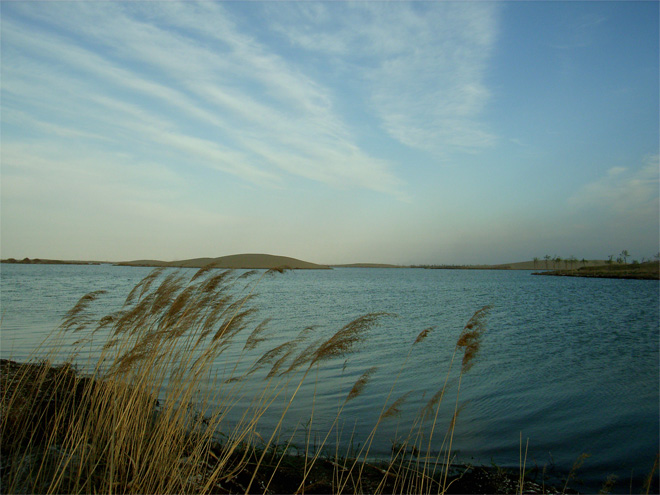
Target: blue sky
(335, 132)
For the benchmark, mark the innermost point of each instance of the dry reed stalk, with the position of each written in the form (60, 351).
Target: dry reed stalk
(522, 463)
(343, 466)
(469, 341)
(340, 344)
(649, 479)
(279, 461)
(574, 469)
(393, 409)
(308, 434)
(355, 391)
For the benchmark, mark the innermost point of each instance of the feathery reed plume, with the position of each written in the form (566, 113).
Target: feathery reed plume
(395, 407)
(143, 286)
(105, 321)
(649, 478)
(277, 365)
(211, 284)
(179, 303)
(305, 356)
(166, 291)
(248, 274)
(344, 340)
(360, 383)
(232, 325)
(305, 332)
(470, 338)
(433, 402)
(77, 316)
(279, 354)
(255, 337)
(202, 271)
(422, 335)
(272, 354)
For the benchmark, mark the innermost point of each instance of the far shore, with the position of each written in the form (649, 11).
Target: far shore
(237, 262)
(649, 270)
(268, 261)
(42, 261)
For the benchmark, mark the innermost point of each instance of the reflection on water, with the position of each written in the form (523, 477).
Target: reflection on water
(571, 364)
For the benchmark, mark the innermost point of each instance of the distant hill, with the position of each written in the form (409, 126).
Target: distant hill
(236, 261)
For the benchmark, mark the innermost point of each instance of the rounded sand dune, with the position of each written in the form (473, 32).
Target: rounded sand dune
(236, 261)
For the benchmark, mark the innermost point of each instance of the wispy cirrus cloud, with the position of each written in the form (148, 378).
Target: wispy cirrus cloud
(422, 65)
(183, 78)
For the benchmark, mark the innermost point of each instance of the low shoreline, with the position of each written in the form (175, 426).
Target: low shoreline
(40, 261)
(267, 261)
(636, 271)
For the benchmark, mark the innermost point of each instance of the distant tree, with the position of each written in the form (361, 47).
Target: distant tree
(557, 262)
(624, 255)
(547, 259)
(584, 262)
(609, 259)
(536, 262)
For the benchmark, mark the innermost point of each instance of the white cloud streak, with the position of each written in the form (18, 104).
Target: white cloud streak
(200, 89)
(423, 64)
(630, 192)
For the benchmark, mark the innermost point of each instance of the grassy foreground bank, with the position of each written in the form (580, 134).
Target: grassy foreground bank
(55, 395)
(133, 420)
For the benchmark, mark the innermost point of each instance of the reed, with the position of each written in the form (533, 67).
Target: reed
(139, 415)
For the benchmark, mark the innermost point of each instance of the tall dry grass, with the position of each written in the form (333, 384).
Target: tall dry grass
(140, 416)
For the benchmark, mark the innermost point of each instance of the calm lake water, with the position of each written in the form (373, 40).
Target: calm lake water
(571, 364)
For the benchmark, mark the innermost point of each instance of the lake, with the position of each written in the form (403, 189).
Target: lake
(572, 364)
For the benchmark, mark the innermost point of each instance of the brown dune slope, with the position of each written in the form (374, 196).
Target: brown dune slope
(236, 261)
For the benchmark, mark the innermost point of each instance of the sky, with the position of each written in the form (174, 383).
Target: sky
(334, 132)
